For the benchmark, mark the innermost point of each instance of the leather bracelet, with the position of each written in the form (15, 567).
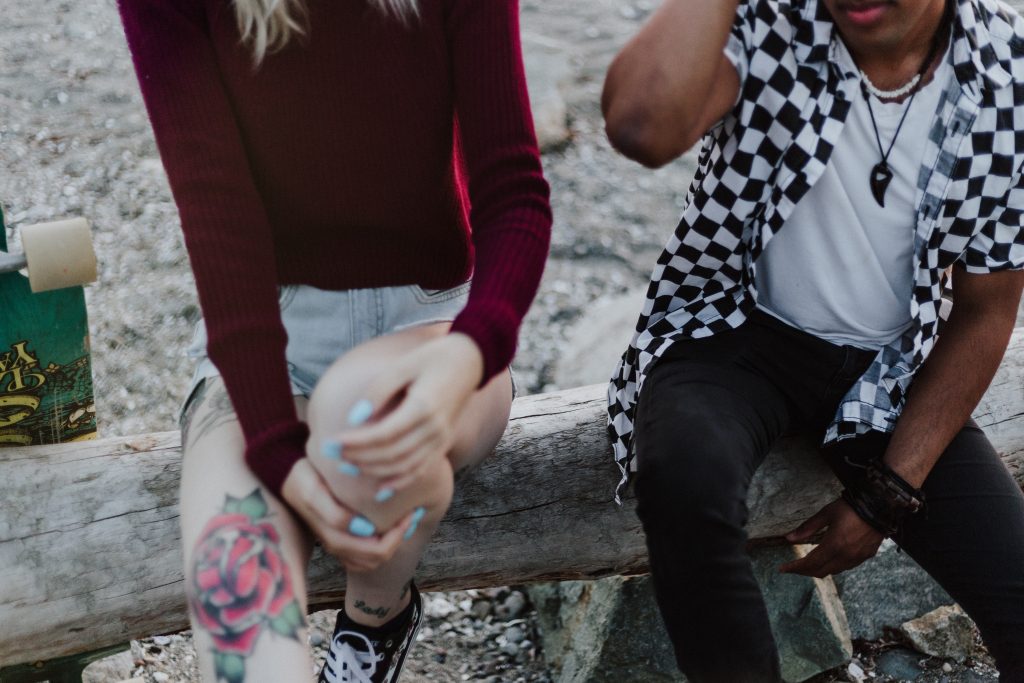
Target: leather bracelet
(886, 500)
(871, 512)
(893, 488)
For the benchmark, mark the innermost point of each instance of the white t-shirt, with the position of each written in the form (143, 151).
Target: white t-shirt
(842, 267)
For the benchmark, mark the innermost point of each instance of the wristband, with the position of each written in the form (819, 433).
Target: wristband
(886, 500)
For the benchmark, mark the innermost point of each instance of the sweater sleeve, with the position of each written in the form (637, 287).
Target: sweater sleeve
(227, 231)
(510, 215)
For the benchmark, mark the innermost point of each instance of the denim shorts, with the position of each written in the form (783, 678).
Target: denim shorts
(323, 325)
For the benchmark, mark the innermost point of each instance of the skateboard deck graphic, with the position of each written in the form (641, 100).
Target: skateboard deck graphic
(46, 393)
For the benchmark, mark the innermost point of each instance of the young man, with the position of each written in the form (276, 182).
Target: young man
(855, 154)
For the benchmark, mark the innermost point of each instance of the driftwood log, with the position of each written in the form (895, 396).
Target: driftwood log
(89, 536)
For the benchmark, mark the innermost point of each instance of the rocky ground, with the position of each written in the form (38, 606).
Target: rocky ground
(74, 140)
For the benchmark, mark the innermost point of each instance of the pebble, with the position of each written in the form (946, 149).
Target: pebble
(854, 673)
(514, 635)
(161, 677)
(438, 607)
(482, 609)
(515, 603)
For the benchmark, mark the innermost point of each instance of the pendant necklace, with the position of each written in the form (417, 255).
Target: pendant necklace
(881, 174)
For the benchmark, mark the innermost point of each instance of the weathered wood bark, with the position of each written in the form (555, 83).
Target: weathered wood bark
(89, 532)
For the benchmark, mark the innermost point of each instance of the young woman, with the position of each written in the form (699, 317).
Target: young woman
(340, 168)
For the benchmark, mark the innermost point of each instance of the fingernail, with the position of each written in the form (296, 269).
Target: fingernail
(331, 450)
(385, 494)
(360, 412)
(348, 468)
(360, 526)
(416, 517)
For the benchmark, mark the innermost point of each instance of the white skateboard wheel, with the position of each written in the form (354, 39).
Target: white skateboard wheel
(59, 254)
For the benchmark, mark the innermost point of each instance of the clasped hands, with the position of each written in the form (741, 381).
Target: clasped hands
(364, 487)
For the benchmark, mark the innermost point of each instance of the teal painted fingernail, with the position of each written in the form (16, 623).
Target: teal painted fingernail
(416, 517)
(331, 450)
(361, 526)
(384, 495)
(360, 412)
(348, 468)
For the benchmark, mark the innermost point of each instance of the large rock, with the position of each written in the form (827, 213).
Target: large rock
(945, 632)
(606, 631)
(886, 591)
(806, 615)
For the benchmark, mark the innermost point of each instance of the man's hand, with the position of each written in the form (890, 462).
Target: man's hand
(410, 411)
(847, 542)
(307, 493)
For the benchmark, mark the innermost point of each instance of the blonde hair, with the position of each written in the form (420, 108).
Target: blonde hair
(268, 25)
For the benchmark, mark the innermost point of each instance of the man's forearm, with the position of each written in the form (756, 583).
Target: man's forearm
(947, 389)
(668, 81)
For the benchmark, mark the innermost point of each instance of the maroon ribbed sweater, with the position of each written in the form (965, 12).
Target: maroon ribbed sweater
(367, 154)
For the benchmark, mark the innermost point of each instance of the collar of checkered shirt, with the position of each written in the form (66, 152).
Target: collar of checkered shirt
(974, 56)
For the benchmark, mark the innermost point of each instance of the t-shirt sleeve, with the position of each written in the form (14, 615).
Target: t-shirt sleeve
(999, 245)
(227, 231)
(510, 215)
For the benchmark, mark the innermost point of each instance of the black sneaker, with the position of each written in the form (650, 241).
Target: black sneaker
(360, 654)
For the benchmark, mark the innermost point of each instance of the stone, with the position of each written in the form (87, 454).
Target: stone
(514, 635)
(114, 668)
(886, 591)
(806, 615)
(854, 673)
(944, 632)
(547, 69)
(482, 609)
(604, 631)
(438, 607)
(515, 603)
(899, 663)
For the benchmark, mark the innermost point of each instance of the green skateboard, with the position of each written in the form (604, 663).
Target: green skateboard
(46, 393)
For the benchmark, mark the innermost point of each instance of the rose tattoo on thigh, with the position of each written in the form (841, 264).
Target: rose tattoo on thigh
(241, 584)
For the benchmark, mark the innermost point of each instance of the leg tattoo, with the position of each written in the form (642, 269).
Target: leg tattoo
(241, 584)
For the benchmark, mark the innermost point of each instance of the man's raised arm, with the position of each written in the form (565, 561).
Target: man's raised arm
(672, 81)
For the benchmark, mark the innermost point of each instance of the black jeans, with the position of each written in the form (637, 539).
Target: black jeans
(708, 414)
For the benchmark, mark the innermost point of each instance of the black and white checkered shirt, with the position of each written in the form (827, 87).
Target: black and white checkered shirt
(757, 164)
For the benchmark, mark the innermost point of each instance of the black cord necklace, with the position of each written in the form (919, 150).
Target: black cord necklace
(881, 174)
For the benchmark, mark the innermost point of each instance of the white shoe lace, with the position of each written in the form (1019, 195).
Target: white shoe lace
(349, 665)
